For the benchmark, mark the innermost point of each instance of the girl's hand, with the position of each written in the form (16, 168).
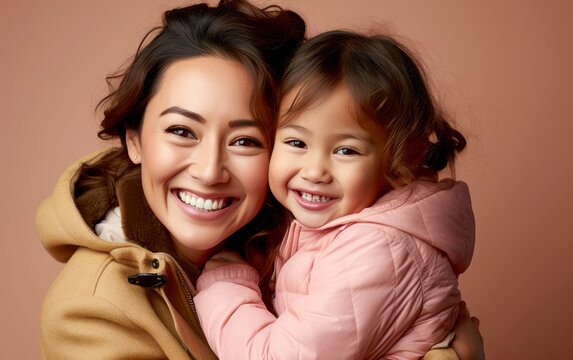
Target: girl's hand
(468, 342)
(224, 257)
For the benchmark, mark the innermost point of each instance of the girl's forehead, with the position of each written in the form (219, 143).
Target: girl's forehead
(308, 96)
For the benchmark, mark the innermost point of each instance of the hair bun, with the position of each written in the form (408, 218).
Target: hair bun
(437, 156)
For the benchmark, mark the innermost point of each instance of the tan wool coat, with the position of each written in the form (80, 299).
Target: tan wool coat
(92, 311)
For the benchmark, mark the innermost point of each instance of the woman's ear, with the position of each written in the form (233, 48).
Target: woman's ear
(133, 143)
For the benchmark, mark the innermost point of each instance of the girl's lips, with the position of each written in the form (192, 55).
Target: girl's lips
(313, 201)
(313, 198)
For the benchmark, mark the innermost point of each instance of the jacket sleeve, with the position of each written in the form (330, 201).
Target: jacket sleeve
(88, 327)
(361, 294)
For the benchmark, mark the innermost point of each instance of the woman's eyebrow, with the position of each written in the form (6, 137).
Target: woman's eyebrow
(194, 116)
(187, 113)
(242, 123)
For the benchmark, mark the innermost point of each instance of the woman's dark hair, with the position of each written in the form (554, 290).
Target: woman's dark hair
(262, 40)
(388, 87)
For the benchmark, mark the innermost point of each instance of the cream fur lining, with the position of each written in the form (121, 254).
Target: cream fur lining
(446, 342)
(110, 228)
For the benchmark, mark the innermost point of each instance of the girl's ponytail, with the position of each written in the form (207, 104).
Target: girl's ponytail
(443, 151)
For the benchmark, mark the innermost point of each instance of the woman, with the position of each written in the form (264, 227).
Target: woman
(135, 224)
(187, 113)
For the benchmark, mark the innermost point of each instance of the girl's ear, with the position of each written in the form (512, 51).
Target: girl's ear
(133, 143)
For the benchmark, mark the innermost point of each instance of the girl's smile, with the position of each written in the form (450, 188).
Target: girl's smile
(312, 201)
(325, 163)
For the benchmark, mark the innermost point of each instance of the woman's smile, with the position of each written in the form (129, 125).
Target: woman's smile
(203, 203)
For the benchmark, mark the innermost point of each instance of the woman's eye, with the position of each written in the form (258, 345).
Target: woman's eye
(296, 143)
(346, 151)
(250, 142)
(181, 131)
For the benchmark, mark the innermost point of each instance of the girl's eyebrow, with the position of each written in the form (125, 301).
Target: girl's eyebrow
(338, 137)
(294, 127)
(194, 116)
(359, 137)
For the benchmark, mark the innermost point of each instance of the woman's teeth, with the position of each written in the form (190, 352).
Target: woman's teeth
(314, 198)
(200, 203)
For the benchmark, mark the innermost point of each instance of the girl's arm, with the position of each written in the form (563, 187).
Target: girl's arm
(466, 345)
(348, 303)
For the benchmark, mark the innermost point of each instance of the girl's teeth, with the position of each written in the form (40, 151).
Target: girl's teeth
(314, 198)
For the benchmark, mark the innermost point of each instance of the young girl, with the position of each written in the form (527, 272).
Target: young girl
(369, 266)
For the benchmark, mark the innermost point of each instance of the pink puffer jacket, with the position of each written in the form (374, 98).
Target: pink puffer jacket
(378, 284)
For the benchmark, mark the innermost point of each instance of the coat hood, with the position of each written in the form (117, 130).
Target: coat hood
(61, 226)
(438, 213)
(66, 222)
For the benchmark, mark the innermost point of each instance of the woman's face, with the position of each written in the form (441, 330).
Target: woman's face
(203, 158)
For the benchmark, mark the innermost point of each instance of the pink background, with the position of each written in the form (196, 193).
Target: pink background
(503, 69)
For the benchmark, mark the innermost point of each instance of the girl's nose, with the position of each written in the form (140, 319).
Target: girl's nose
(207, 164)
(315, 168)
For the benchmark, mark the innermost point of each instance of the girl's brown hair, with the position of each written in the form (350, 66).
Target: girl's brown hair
(262, 40)
(388, 87)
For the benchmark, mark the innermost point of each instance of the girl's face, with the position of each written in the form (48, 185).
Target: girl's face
(325, 164)
(203, 158)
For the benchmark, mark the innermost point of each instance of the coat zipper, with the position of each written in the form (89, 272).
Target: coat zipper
(187, 293)
(191, 312)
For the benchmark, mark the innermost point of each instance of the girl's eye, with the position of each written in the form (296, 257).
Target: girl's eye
(346, 151)
(296, 143)
(181, 131)
(246, 141)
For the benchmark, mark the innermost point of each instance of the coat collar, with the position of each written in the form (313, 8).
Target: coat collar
(139, 223)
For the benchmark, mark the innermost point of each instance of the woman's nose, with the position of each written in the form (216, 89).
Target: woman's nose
(207, 164)
(316, 168)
